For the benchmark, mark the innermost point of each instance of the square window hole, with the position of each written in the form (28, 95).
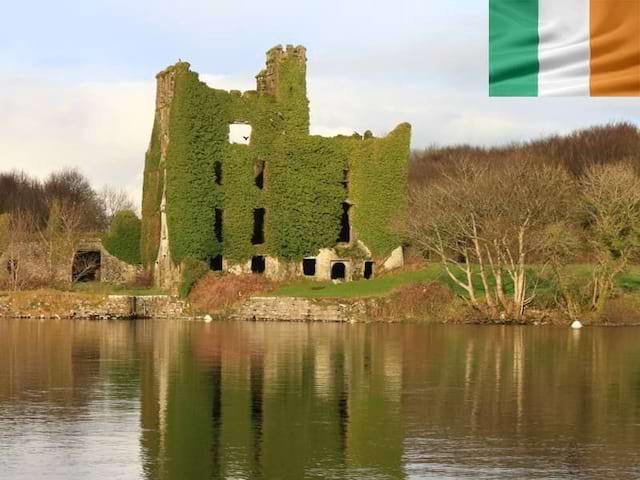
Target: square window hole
(309, 267)
(258, 264)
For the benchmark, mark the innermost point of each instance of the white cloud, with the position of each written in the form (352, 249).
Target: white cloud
(100, 128)
(48, 121)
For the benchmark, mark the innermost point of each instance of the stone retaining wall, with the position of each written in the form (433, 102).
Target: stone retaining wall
(291, 309)
(95, 307)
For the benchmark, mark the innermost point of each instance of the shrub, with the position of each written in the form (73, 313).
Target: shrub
(621, 310)
(123, 239)
(430, 301)
(215, 293)
(192, 271)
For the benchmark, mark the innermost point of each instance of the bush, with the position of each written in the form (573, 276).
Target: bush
(123, 239)
(429, 301)
(192, 271)
(215, 293)
(621, 310)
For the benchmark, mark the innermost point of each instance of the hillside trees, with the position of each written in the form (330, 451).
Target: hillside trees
(550, 204)
(20, 192)
(486, 224)
(610, 209)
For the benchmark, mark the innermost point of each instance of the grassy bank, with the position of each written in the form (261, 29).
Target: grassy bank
(427, 293)
(377, 287)
(384, 285)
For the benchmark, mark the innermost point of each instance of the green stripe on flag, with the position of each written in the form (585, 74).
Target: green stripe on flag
(513, 48)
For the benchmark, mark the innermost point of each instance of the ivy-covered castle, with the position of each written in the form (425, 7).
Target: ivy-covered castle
(236, 181)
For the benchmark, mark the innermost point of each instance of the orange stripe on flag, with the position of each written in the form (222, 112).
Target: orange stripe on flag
(615, 47)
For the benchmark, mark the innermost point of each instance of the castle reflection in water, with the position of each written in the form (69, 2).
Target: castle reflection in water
(250, 400)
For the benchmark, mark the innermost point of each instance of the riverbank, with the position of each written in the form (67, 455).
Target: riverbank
(419, 294)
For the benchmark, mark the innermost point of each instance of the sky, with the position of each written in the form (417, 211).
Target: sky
(77, 78)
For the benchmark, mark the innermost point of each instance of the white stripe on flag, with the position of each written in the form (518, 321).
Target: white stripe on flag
(563, 51)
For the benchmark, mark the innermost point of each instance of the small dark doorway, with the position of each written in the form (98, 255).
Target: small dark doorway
(86, 266)
(258, 264)
(215, 263)
(258, 226)
(217, 167)
(309, 267)
(345, 179)
(259, 172)
(218, 225)
(338, 271)
(345, 227)
(368, 270)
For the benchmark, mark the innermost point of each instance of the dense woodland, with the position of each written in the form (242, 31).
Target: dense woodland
(21, 193)
(498, 219)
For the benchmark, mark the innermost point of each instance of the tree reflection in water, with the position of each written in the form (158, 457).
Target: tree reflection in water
(173, 400)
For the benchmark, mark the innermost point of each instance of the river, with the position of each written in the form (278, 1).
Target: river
(188, 400)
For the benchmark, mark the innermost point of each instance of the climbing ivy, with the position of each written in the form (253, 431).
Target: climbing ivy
(192, 271)
(378, 189)
(199, 128)
(304, 175)
(123, 238)
(151, 198)
(304, 196)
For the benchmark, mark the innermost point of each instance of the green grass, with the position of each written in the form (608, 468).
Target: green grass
(376, 287)
(387, 284)
(101, 288)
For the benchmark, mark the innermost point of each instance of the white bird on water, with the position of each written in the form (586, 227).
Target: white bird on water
(208, 319)
(577, 324)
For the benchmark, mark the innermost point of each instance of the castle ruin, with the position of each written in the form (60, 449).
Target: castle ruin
(235, 180)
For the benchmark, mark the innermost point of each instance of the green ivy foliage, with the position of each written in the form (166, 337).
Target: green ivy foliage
(192, 271)
(303, 179)
(123, 239)
(378, 190)
(304, 196)
(151, 199)
(199, 132)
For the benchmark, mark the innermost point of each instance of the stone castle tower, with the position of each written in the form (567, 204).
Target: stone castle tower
(235, 180)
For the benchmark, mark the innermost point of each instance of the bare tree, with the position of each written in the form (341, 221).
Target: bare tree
(484, 224)
(18, 250)
(610, 203)
(59, 239)
(72, 189)
(115, 200)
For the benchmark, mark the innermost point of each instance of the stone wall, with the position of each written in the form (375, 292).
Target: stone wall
(291, 309)
(114, 270)
(160, 306)
(82, 306)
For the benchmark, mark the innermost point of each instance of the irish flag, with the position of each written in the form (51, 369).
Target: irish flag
(564, 47)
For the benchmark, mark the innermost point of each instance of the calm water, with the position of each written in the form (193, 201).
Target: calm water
(172, 400)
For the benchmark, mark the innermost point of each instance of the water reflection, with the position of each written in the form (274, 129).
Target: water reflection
(173, 400)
